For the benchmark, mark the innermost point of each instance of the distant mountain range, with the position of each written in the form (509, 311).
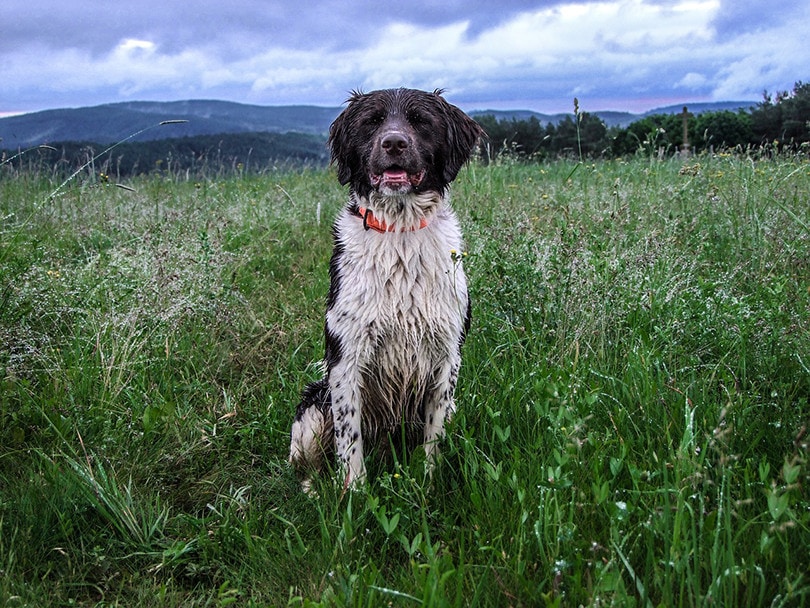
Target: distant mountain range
(114, 122)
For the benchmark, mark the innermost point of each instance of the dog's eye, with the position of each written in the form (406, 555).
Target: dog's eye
(414, 117)
(376, 119)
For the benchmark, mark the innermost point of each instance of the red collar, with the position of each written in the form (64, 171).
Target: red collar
(371, 222)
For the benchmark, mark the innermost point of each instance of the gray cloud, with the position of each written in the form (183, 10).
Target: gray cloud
(619, 54)
(746, 16)
(238, 27)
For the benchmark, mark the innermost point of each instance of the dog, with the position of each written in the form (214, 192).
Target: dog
(397, 310)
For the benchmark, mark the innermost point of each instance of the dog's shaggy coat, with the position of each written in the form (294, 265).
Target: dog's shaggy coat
(397, 309)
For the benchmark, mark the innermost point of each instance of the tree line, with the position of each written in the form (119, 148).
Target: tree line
(780, 120)
(197, 156)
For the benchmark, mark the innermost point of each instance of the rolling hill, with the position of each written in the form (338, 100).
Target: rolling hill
(114, 122)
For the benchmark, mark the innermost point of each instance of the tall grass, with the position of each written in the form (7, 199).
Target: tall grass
(632, 410)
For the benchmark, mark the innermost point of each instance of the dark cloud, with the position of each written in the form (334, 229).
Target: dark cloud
(510, 53)
(236, 28)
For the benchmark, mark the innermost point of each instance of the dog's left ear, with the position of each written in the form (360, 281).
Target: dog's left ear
(462, 135)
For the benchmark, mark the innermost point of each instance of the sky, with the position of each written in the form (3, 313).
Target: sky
(625, 55)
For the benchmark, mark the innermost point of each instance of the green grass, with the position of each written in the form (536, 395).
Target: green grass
(632, 409)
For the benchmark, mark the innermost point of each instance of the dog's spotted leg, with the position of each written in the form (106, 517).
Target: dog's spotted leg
(312, 435)
(305, 448)
(346, 411)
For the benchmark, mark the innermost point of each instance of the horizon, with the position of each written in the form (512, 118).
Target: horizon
(493, 106)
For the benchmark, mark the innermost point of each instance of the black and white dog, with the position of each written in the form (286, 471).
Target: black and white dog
(397, 309)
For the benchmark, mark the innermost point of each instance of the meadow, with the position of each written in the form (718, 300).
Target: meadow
(633, 406)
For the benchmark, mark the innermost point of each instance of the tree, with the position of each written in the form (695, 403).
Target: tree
(652, 133)
(585, 133)
(523, 138)
(593, 135)
(766, 119)
(724, 129)
(564, 141)
(784, 117)
(796, 114)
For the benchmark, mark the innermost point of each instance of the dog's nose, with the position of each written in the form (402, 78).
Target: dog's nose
(394, 143)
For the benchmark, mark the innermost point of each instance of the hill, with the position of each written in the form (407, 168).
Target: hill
(114, 122)
(110, 123)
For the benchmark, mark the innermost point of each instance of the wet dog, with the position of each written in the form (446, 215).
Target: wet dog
(398, 308)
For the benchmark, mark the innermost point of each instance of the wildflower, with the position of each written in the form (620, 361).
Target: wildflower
(455, 256)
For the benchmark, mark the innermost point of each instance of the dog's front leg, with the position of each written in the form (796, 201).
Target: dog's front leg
(346, 413)
(440, 408)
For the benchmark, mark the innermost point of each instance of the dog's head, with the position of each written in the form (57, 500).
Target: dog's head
(400, 141)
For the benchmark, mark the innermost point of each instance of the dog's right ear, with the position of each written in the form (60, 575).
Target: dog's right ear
(338, 148)
(341, 150)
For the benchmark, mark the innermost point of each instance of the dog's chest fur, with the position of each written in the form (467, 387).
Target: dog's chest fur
(398, 305)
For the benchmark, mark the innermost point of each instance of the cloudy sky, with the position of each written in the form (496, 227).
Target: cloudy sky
(631, 55)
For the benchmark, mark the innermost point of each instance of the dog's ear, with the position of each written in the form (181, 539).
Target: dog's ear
(340, 142)
(338, 148)
(461, 137)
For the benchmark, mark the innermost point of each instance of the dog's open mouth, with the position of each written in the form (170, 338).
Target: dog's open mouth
(395, 178)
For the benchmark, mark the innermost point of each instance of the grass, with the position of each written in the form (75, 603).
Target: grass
(632, 409)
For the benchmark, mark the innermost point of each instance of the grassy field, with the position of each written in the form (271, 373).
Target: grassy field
(633, 406)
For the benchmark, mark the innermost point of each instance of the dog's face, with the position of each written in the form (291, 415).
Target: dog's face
(400, 141)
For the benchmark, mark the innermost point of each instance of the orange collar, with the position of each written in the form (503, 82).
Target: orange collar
(371, 222)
